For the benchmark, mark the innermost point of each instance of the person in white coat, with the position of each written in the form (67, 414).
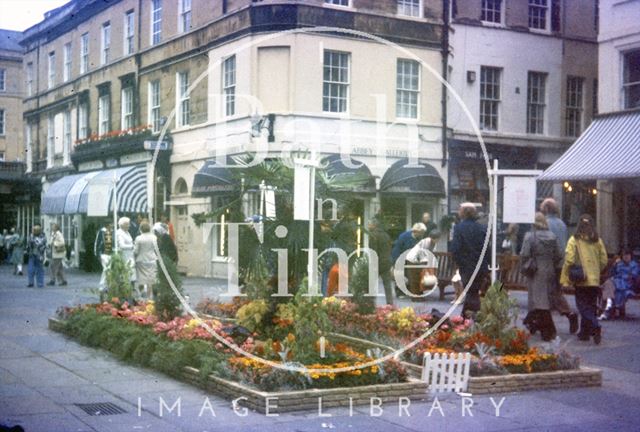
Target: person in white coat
(58, 253)
(125, 245)
(146, 259)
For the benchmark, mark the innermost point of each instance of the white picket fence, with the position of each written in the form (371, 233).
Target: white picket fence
(446, 372)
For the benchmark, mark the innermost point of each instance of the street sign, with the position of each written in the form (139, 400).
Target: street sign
(160, 145)
(301, 193)
(98, 203)
(519, 203)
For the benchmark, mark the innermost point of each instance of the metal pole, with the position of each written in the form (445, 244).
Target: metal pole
(115, 210)
(312, 192)
(494, 220)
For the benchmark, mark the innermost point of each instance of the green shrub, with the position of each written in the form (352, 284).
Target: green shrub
(497, 314)
(167, 304)
(139, 345)
(359, 285)
(311, 321)
(118, 278)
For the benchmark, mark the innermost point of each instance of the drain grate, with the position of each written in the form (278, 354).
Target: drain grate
(101, 408)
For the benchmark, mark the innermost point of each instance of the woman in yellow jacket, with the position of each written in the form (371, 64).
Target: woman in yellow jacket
(586, 248)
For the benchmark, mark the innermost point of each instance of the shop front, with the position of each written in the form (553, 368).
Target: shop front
(468, 179)
(602, 170)
(121, 170)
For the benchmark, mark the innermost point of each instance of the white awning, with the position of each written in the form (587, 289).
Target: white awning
(70, 194)
(608, 149)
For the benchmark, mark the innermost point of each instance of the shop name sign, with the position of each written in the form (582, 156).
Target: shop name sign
(159, 145)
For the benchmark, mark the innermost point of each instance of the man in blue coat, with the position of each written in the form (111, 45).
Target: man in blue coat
(406, 241)
(468, 241)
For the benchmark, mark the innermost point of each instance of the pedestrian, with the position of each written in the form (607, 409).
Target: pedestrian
(624, 275)
(430, 225)
(466, 248)
(36, 249)
(380, 242)
(134, 226)
(422, 261)
(102, 249)
(510, 242)
(541, 245)
(58, 253)
(125, 246)
(16, 251)
(167, 222)
(404, 243)
(166, 246)
(549, 207)
(586, 249)
(146, 260)
(3, 246)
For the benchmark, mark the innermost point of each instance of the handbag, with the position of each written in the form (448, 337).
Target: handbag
(576, 271)
(529, 266)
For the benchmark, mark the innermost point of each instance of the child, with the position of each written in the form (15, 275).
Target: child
(624, 275)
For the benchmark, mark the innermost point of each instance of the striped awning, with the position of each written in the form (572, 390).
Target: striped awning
(608, 149)
(70, 194)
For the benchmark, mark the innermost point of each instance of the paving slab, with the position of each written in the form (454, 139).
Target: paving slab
(43, 374)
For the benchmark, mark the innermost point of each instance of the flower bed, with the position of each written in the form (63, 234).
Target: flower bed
(134, 333)
(491, 356)
(182, 349)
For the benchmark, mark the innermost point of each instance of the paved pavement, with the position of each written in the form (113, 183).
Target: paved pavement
(43, 376)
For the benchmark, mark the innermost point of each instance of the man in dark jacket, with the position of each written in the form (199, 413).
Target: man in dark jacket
(468, 241)
(380, 242)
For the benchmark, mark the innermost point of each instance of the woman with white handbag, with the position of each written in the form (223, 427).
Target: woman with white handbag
(58, 253)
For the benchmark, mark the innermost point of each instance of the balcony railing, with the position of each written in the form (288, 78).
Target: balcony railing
(112, 144)
(11, 170)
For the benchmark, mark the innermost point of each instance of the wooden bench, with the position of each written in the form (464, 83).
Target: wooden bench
(446, 270)
(508, 274)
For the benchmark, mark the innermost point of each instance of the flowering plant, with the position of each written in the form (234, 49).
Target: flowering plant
(133, 131)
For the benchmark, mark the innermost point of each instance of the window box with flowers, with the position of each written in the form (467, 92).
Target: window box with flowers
(113, 144)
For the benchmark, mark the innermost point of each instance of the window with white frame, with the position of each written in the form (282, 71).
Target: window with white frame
(51, 70)
(154, 105)
(594, 98)
(84, 53)
(338, 2)
(156, 21)
(409, 8)
(66, 138)
(29, 79)
(407, 88)
(229, 85)
(66, 54)
(103, 114)
(2, 122)
(575, 106)
(28, 148)
(129, 32)
(83, 121)
(184, 18)
(126, 120)
(491, 11)
(51, 141)
(1, 156)
(106, 43)
(631, 79)
(490, 97)
(539, 14)
(335, 82)
(183, 99)
(536, 102)
(3, 79)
